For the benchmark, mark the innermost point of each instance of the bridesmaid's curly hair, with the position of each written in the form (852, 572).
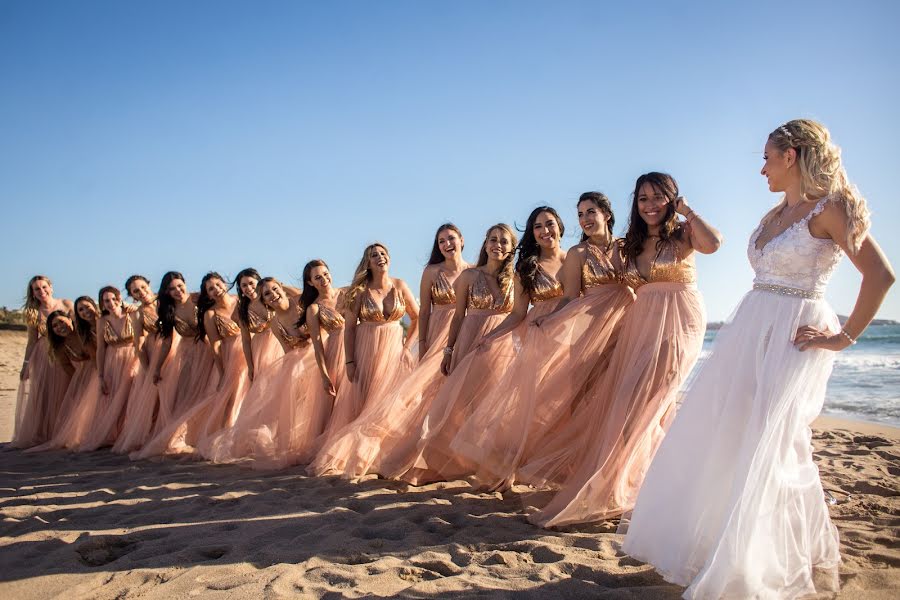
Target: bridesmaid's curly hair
(529, 249)
(638, 232)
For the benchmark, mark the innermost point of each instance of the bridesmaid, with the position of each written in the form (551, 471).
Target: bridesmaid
(186, 370)
(732, 505)
(218, 408)
(272, 429)
(376, 357)
(561, 355)
(143, 402)
(449, 449)
(436, 289)
(484, 299)
(42, 383)
(260, 347)
(380, 440)
(631, 407)
(73, 344)
(117, 366)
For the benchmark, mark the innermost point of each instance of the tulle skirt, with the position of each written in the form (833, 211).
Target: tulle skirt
(189, 375)
(39, 398)
(266, 350)
(143, 403)
(77, 410)
(120, 370)
(624, 418)
(384, 437)
(555, 365)
(381, 364)
(212, 412)
(283, 414)
(472, 373)
(732, 506)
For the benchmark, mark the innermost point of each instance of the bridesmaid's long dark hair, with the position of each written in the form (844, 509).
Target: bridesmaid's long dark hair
(638, 233)
(530, 250)
(310, 294)
(436, 256)
(165, 306)
(205, 302)
(601, 201)
(244, 301)
(86, 329)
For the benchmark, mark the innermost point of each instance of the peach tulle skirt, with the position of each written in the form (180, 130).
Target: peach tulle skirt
(382, 363)
(266, 350)
(555, 365)
(77, 409)
(429, 457)
(383, 438)
(120, 370)
(39, 398)
(284, 412)
(187, 375)
(614, 434)
(143, 403)
(211, 412)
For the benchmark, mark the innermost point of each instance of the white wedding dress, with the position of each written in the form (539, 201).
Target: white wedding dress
(732, 505)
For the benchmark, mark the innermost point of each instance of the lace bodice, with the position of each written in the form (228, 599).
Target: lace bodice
(794, 258)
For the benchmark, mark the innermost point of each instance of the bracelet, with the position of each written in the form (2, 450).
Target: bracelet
(847, 335)
(691, 216)
(448, 351)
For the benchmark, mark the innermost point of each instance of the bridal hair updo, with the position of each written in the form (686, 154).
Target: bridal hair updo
(822, 173)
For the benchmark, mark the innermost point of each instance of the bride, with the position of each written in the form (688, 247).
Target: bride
(732, 506)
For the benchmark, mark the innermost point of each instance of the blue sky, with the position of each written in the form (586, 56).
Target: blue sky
(148, 136)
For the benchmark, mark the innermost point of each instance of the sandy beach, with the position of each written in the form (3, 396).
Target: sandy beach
(97, 525)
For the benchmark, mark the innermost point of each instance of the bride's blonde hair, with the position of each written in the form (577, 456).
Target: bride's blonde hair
(822, 173)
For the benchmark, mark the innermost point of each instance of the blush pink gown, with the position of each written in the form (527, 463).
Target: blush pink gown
(120, 369)
(143, 403)
(427, 457)
(614, 438)
(382, 363)
(380, 437)
(40, 396)
(557, 362)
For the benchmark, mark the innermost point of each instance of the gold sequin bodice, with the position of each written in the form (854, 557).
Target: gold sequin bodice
(149, 318)
(289, 339)
(598, 269)
(185, 329)
(75, 354)
(225, 326)
(546, 287)
(370, 312)
(442, 293)
(481, 296)
(666, 267)
(256, 323)
(330, 319)
(115, 338)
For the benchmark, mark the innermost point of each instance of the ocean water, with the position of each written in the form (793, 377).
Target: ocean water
(865, 383)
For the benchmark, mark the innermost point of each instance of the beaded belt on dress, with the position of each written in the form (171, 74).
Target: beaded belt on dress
(787, 291)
